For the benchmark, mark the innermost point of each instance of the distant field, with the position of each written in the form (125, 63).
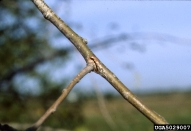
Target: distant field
(85, 115)
(175, 108)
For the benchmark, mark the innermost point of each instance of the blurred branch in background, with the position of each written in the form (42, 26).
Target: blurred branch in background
(102, 106)
(129, 39)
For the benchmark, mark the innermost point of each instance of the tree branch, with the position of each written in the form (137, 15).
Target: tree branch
(99, 67)
(65, 92)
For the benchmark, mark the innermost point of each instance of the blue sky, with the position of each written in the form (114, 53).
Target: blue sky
(165, 63)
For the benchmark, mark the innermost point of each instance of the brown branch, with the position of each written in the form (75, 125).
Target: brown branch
(99, 67)
(65, 92)
(126, 93)
(78, 42)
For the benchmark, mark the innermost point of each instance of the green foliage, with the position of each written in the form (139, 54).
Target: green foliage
(20, 43)
(24, 45)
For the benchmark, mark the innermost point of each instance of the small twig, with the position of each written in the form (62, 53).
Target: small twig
(65, 92)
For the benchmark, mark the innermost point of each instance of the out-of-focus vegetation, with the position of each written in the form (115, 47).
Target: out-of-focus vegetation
(174, 107)
(25, 49)
(27, 60)
(85, 113)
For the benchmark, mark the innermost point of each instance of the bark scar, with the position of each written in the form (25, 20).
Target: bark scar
(96, 63)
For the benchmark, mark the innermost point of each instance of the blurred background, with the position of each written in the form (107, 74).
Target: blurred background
(146, 44)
